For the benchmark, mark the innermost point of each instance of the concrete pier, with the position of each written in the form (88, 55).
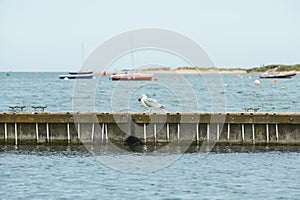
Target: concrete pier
(151, 128)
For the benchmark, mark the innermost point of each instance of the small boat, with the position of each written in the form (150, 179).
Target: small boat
(132, 76)
(81, 72)
(278, 75)
(78, 75)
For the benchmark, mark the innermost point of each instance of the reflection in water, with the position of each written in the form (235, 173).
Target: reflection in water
(233, 172)
(141, 149)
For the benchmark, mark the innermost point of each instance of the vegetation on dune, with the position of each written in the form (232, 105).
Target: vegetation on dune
(276, 68)
(289, 67)
(191, 68)
(267, 68)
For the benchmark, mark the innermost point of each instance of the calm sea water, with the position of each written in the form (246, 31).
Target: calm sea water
(229, 93)
(72, 172)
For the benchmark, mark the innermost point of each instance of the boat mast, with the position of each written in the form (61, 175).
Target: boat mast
(132, 63)
(82, 52)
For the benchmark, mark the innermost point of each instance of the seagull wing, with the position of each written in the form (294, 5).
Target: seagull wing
(152, 103)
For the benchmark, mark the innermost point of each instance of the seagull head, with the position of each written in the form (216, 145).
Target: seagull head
(142, 97)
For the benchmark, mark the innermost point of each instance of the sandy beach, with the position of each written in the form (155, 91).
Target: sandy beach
(193, 71)
(206, 71)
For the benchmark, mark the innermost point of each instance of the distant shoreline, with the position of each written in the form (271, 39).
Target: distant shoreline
(192, 71)
(275, 68)
(196, 70)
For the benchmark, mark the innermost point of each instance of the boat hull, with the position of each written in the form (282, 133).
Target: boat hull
(80, 72)
(81, 76)
(131, 77)
(287, 75)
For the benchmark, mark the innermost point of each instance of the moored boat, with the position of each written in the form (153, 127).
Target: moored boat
(131, 77)
(278, 75)
(80, 72)
(127, 75)
(78, 75)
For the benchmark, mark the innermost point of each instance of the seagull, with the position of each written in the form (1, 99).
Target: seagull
(150, 103)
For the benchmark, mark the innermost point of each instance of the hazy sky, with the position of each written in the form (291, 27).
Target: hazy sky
(47, 35)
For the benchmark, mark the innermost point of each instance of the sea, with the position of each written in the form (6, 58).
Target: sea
(76, 172)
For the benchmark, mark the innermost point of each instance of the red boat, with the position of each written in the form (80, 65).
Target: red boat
(279, 75)
(131, 77)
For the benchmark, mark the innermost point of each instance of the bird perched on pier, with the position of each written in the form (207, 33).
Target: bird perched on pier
(150, 103)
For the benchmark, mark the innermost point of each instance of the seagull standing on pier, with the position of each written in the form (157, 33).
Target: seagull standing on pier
(150, 103)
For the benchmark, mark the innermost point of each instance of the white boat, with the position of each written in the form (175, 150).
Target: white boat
(128, 75)
(131, 77)
(78, 75)
(278, 75)
(80, 72)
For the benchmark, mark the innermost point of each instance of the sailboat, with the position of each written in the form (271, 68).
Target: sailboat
(278, 75)
(130, 75)
(78, 74)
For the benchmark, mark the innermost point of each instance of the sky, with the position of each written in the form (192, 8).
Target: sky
(47, 35)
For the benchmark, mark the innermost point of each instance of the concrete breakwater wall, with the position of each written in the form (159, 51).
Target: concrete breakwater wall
(220, 128)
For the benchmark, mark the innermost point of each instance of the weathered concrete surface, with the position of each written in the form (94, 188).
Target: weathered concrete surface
(77, 128)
